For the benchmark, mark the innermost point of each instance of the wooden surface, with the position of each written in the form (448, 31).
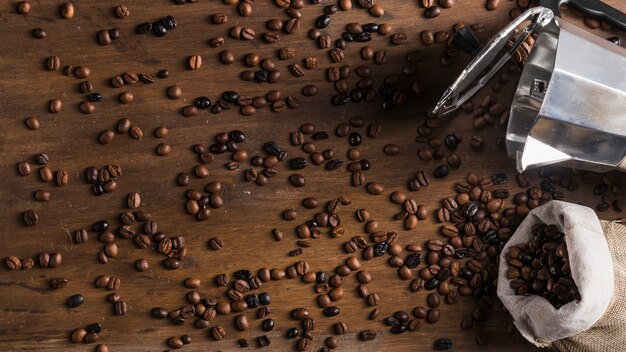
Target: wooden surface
(34, 317)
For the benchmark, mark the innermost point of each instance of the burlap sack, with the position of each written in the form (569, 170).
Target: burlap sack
(597, 254)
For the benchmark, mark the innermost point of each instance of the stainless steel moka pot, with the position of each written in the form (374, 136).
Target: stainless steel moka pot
(570, 103)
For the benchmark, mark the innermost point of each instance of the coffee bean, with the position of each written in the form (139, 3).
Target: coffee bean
(23, 7)
(53, 63)
(432, 12)
(380, 57)
(375, 188)
(78, 335)
(441, 36)
(309, 90)
(216, 42)
(267, 325)
(125, 97)
(195, 62)
(292, 26)
(391, 149)
(75, 301)
(432, 316)
(13, 263)
(376, 10)
(492, 4)
(55, 106)
(399, 38)
(441, 171)
(39, 33)
(443, 344)
(67, 10)
(367, 335)
(30, 217)
(55, 260)
(336, 55)
(297, 180)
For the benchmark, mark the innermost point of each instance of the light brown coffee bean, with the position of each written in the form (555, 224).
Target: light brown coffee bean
(195, 62)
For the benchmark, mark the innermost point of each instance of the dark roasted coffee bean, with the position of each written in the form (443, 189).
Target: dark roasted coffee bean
(370, 27)
(398, 329)
(354, 139)
(272, 148)
(75, 301)
(298, 163)
(347, 37)
(465, 273)
(548, 186)
(367, 335)
(363, 37)
(499, 178)
(432, 12)
(413, 260)
(431, 284)
(451, 141)
(202, 102)
(230, 96)
(321, 135)
(261, 76)
(441, 171)
(30, 217)
(387, 90)
(264, 298)
(263, 341)
(267, 325)
(292, 333)
(469, 209)
(331, 311)
(159, 29)
(322, 21)
(356, 95)
(98, 189)
(443, 344)
(341, 99)
(381, 249)
(169, 22)
(334, 164)
(101, 226)
(39, 33)
(243, 274)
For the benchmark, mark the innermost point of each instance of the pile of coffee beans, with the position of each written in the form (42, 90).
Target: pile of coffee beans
(541, 267)
(103, 180)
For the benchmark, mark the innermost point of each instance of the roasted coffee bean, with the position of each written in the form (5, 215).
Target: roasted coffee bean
(367, 335)
(267, 325)
(432, 12)
(30, 217)
(443, 344)
(354, 139)
(375, 188)
(334, 164)
(218, 333)
(322, 21)
(39, 33)
(441, 171)
(292, 333)
(292, 26)
(297, 180)
(56, 284)
(331, 311)
(75, 301)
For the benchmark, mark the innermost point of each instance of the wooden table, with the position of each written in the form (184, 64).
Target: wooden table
(34, 317)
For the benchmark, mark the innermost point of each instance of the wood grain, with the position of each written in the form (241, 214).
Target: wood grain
(35, 318)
